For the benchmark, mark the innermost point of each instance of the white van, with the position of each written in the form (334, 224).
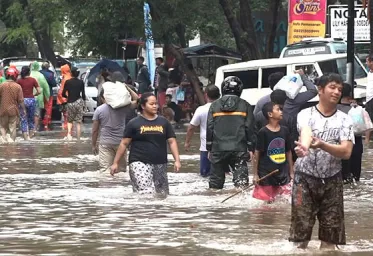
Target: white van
(254, 74)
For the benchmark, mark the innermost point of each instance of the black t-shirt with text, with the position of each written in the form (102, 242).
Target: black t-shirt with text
(273, 147)
(149, 139)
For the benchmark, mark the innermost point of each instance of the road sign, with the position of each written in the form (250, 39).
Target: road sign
(338, 23)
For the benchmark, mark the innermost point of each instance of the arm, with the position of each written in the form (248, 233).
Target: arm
(342, 151)
(20, 100)
(145, 72)
(162, 71)
(175, 153)
(189, 135)
(95, 129)
(37, 88)
(304, 143)
(249, 129)
(255, 166)
(83, 92)
(121, 150)
(65, 89)
(311, 92)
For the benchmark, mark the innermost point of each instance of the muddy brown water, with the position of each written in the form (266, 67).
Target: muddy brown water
(54, 202)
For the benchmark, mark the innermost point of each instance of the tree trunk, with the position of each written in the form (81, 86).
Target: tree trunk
(270, 41)
(45, 46)
(192, 76)
(180, 31)
(242, 29)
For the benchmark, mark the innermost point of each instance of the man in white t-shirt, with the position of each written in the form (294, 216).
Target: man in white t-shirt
(200, 119)
(327, 137)
(369, 93)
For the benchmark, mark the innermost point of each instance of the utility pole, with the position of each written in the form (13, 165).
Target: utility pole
(351, 44)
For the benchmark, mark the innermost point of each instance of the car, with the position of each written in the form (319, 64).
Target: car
(91, 93)
(254, 74)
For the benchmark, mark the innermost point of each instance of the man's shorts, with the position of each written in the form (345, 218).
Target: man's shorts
(106, 157)
(322, 198)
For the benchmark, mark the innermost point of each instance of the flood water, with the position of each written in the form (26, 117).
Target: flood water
(54, 202)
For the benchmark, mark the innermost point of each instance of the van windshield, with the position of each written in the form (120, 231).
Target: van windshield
(340, 66)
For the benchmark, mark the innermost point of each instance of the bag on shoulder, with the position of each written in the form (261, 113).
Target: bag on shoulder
(291, 85)
(116, 94)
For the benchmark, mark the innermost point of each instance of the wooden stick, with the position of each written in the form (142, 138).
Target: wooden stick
(266, 176)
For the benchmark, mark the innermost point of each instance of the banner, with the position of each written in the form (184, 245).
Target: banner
(307, 18)
(150, 60)
(338, 23)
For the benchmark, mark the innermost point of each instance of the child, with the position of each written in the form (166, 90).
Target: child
(272, 152)
(171, 111)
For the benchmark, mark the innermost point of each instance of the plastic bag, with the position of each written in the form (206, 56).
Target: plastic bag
(358, 119)
(180, 95)
(368, 121)
(116, 94)
(290, 84)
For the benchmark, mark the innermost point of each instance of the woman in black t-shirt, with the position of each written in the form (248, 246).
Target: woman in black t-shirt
(148, 135)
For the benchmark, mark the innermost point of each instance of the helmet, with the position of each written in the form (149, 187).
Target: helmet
(12, 72)
(232, 85)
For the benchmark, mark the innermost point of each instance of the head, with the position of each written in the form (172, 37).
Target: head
(117, 76)
(11, 73)
(346, 91)
(140, 60)
(168, 98)
(369, 60)
(159, 61)
(330, 89)
(45, 65)
(148, 104)
(212, 92)
(279, 97)
(274, 78)
(35, 66)
(75, 72)
(232, 85)
(65, 69)
(25, 71)
(272, 111)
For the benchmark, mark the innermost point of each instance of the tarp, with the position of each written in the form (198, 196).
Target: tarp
(211, 50)
(150, 60)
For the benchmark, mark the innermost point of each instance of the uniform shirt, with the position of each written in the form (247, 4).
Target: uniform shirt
(332, 129)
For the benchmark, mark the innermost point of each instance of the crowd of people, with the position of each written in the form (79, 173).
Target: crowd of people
(310, 152)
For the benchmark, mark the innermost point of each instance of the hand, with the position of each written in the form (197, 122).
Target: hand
(187, 146)
(95, 150)
(177, 166)
(299, 71)
(316, 143)
(255, 179)
(291, 174)
(209, 156)
(300, 150)
(251, 156)
(114, 169)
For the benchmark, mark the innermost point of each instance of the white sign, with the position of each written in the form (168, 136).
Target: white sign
(338, 23)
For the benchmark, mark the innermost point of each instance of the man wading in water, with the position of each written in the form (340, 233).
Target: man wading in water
(229, 135)
(327, 136)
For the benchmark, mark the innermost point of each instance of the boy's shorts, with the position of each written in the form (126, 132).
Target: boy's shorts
(322, 198)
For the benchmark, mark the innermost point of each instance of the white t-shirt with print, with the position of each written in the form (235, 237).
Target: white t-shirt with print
(200, 119)
(333, 130)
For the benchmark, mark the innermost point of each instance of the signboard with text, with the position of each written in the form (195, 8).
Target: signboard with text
(307, 18)
(338, 23)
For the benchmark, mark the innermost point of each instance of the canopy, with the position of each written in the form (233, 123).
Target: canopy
(210, 51)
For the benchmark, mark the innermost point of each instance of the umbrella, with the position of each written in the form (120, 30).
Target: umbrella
(110, 65)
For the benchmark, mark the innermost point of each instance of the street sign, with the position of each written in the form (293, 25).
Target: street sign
(338, 23)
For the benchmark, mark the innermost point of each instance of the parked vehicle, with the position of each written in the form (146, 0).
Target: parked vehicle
(254, 74)
(91, 95)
